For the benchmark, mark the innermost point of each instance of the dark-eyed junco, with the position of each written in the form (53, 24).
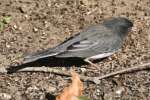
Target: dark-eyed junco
(95, 42)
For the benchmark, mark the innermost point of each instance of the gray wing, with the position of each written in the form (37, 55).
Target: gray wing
(98, 40)
(93, 46)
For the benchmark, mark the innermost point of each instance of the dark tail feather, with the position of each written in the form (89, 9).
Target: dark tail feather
(39, 55)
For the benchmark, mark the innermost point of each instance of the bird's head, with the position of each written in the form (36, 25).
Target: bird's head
(119, 25)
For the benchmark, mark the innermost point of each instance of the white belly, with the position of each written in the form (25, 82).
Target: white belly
(99, 56)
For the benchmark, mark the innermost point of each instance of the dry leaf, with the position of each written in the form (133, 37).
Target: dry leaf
(74, 90)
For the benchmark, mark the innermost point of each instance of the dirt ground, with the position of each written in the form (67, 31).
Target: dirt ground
(40, 24)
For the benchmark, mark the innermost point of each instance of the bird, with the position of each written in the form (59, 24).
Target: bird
(93, 43)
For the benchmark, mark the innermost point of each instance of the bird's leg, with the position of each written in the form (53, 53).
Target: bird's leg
(88, 60)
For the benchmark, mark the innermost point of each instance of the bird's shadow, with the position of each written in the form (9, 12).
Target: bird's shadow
(50, 96)
(50, 62)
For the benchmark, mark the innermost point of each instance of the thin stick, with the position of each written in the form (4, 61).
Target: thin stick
(45, 69)
(128, 70)
(85, 78)
(92, 79)
(55, 71)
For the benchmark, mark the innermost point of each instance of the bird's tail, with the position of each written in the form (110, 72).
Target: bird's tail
(39, 55)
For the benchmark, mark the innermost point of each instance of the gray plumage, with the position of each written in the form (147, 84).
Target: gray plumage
(98, 39)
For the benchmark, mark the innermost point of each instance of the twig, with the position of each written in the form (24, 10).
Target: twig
(85, 78)
(55, 71)
(128, 70)
(45, 69)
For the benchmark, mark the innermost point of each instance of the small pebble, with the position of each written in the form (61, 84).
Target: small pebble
(83, 70)
(7, 45)
(119, 91)
(35, 29)
(15, 26)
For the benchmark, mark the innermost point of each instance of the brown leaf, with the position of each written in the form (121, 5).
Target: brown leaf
(74, 90)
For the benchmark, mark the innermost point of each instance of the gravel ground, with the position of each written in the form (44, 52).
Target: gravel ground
(40, 24)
